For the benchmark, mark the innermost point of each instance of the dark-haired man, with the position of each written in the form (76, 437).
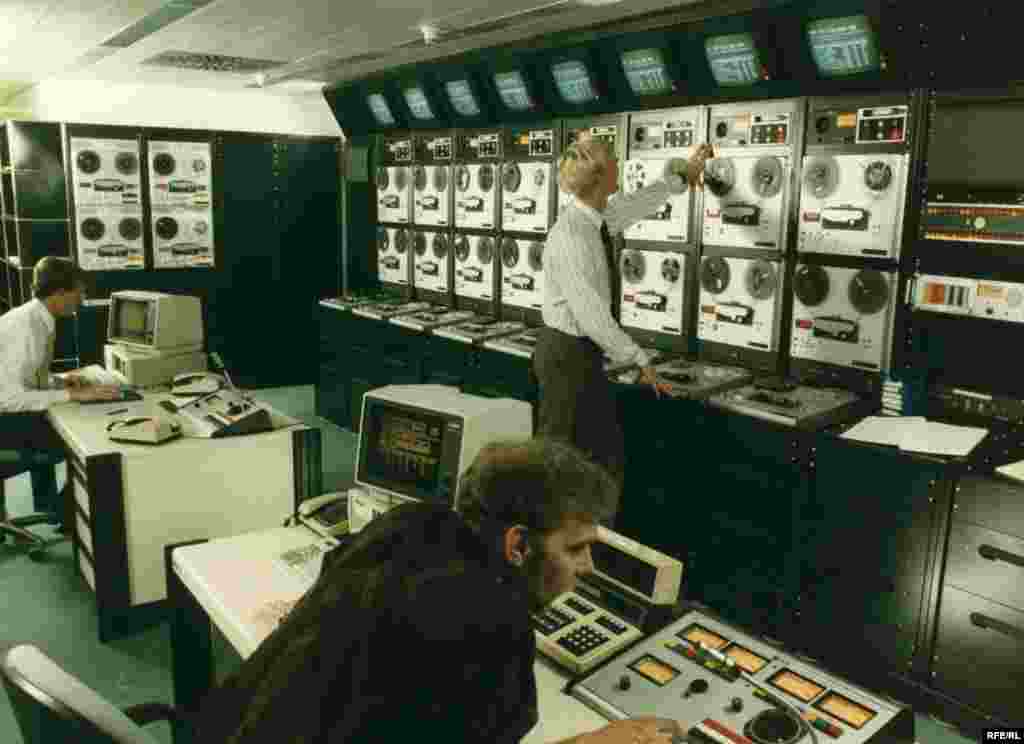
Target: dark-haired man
(27, 388)
(420, 628)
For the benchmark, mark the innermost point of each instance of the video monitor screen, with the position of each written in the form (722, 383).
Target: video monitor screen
(843, 46)
(646, 72)
(403, 449)
(734, 59)
(380, 109)
(573, 81)
(462, 99)
(985, 163)
(625, 568)
(131, 319)
(418, 103)
(513, 91)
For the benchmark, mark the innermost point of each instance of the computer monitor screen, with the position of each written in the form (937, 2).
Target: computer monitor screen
(380, 109)
(986, 163)
(646, 72)
(418, 103)
(734, 59)
(512, 89)
(132, 320)
(462, 99)
(843, 46)
(403, 449)
(573, 81)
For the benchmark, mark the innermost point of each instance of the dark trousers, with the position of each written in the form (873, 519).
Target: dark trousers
(32, 432)
(577, 402)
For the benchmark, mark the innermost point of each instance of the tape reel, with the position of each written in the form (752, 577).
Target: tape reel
(509, 253)
(485, 250)
(811, 284)
(164, 164)
(167, 228)
(88, 162)
(441, 178)
(462, 178)
(130, 228)
(419, 243)
(419, 178)
(878, 176)
(634, 266)
(821, 176)
(714, 274)
(761, 279)
(720, 176)
(536, 256)
(670, 270)
(766, 177)
(126, 163)
(462, 248)
(401, 175)
(383, 241)
(869, 291)
(402, 240)
(511, 177)
(93, 228)
(440, 245)
(485, 177)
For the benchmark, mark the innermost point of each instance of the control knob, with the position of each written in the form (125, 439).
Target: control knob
(624, 683)
(696, 687)
(735, 705)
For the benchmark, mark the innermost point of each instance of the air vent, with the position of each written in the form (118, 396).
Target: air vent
(163, 16)
(211, 62)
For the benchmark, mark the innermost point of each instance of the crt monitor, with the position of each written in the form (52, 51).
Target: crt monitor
(416, 441)
(154, 321)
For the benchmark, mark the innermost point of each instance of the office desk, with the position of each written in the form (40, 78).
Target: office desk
(235, 583)
(130, 500)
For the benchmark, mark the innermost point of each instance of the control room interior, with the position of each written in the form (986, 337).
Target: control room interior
(894, 563)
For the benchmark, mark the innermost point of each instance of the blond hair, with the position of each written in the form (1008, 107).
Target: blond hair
(583, 163)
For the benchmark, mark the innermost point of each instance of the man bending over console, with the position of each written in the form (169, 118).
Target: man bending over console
(419, 629)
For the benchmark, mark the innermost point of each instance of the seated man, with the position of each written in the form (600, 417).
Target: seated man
(27, 388)
(419, 629)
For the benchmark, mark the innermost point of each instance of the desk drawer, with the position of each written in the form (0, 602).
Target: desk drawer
(85, 566)
(979, 653)
(85, 534)
(992, 502)
(986, 563)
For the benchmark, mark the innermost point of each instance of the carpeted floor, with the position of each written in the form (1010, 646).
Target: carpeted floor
(47, 604)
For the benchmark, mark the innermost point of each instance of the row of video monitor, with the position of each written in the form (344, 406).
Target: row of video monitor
(840, 47)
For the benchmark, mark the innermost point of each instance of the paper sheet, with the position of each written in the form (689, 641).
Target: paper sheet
(917, 434)
(882, 429)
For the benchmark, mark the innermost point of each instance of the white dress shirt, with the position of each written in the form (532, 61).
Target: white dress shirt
(577, 287)
(27, 334)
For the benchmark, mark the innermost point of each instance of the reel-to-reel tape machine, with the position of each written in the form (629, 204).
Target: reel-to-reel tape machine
(394, 264)
(394, 182)
(528, 178)
(522, 273)
(747, 184)
(181, 234)
(102, 235)
(432, 181)
(475, 266)
(654, 138)
(843, 316)
(477, 175)
(854, 177)
(739, 302)
(432, 262)
(653, 293)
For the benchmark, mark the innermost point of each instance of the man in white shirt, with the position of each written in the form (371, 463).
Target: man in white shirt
(577, 402)
(27, 388)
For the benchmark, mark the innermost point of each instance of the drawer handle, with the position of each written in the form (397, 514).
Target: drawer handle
(990, 553)
(988, 623)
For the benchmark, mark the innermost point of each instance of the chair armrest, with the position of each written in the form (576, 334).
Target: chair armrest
(146, 713)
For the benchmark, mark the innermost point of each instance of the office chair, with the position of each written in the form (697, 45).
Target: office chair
(12, 463)
(52, 706)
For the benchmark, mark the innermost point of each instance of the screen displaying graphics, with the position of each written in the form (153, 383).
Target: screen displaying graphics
(418, 103)
(573, 81)
(733, 59)
(843, 46)
(381, 111)
(512, 89)
(646, 72)
(462, 99)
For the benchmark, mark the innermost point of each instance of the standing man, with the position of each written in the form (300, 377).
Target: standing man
(577, 402)
(27, 388)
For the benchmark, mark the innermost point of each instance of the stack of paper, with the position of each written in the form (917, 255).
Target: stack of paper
(917, 434)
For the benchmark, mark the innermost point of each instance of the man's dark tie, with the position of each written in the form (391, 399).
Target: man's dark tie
(613, 274)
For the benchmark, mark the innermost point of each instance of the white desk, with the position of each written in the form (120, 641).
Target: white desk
(130, 500)
(215, 581)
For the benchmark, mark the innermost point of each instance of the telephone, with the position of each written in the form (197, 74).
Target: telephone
(196, 383)
(143, 430)
(326, 515)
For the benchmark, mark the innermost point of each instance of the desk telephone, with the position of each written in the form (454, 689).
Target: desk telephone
(326, 515)
(143, 430)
